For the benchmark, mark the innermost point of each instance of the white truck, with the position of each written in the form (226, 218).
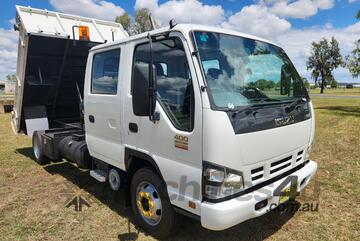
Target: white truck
(207, 122)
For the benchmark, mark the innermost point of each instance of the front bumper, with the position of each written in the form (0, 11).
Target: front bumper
(223, 215)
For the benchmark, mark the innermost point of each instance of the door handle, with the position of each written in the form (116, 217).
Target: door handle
(133, 127)
(91, 118)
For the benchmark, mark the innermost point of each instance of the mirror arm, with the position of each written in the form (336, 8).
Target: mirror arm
(152, 84)
(156, 117)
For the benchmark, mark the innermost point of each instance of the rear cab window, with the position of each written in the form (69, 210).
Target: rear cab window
(105, 72)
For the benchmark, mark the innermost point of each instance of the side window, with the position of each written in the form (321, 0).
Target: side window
(105, 72)
(174, 83)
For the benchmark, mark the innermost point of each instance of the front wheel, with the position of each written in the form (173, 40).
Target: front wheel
(150, 203)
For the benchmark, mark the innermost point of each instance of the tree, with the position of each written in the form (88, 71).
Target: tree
(142, 18)
(333, 84)
(325, 57)
(143, 22)
(124, 20)
(306, 82)
(353, 60)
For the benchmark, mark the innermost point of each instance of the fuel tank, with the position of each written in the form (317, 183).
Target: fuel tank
(75, 150)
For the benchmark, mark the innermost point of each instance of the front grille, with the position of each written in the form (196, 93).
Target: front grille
(299, 156)
(257, 173)
(275, 167)
(281, 164)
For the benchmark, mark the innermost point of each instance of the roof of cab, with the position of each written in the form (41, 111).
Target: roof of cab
(184, 28)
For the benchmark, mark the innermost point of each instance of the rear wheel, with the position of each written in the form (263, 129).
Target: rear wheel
(150, 203)
(38, 148)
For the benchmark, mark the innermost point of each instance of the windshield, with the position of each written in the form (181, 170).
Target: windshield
(241, 71)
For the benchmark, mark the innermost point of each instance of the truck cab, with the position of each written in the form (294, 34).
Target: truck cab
(207, 122)
(231, 121)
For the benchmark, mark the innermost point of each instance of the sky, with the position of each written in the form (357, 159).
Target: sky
(293, 24)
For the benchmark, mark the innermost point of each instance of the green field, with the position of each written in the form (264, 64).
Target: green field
(338, 91)
(33, 197)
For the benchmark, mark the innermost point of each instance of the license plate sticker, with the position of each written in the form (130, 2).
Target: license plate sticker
(285, 195)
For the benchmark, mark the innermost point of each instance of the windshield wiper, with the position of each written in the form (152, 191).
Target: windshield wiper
(245, 108)
(266, 99)
(260, 103)
(295, 103)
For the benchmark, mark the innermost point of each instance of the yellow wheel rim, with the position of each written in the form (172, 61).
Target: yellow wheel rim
(149, 203)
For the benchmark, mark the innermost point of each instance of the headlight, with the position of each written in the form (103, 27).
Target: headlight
(220, 182)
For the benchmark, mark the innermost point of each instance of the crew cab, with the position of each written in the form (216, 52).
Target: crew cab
(203, 121)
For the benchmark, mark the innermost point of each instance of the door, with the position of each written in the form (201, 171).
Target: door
(175, 141)
(103, 106)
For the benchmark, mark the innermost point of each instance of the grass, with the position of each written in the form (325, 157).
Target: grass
(33, 197)
(338, 91)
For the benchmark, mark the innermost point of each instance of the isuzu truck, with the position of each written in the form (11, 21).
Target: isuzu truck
(202, 121)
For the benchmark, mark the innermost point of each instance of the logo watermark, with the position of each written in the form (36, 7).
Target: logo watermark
(77, 199)
(78, 202)
(288, 189)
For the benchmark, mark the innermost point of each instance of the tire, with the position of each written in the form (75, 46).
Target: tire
(38, 149)
(114, 180)
(159, 228)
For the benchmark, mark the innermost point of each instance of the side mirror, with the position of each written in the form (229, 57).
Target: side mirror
(142, 100)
